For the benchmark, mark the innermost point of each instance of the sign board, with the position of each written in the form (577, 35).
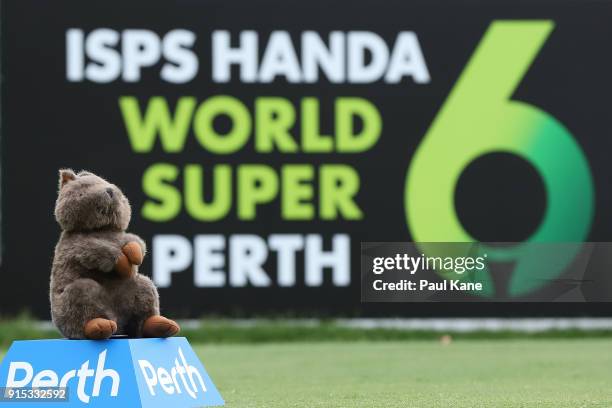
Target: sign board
(146, 373)
(261, 143)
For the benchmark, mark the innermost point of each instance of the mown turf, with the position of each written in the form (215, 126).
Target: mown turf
(466, 373)
(284, 330)
(469, 373)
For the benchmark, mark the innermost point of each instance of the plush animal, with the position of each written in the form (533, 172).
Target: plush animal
(96, 290)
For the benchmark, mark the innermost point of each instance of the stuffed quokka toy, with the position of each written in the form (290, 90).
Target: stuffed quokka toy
(96, 290)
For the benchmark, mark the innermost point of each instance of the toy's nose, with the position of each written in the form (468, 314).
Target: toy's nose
(109, 191)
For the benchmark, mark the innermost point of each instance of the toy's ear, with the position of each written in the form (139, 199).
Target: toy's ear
(66, 176)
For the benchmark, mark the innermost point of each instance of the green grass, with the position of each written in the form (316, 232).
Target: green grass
(474, 373)
(20, 328)
(266, 331)
(284, 330)
(466, 373)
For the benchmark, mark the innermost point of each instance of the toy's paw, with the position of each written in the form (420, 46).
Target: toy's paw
(133, 252)
(124, 267)
(99, 328)
(159, 326)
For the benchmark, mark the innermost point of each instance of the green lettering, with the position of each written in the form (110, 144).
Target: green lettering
(348, 141)
(312, 140)
(156, 184)
(339, 184)
(257, 184)
(205, 132)
(274, 118)
(157, 120)
(194, 195)
(297, 192)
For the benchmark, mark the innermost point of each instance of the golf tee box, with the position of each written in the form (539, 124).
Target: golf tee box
(147, 373)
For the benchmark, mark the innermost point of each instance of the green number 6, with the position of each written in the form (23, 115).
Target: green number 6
(477, 118)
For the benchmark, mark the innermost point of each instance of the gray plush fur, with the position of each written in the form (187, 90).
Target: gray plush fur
(94, 215)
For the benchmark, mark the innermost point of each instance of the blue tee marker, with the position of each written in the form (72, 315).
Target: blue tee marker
(147, 373)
